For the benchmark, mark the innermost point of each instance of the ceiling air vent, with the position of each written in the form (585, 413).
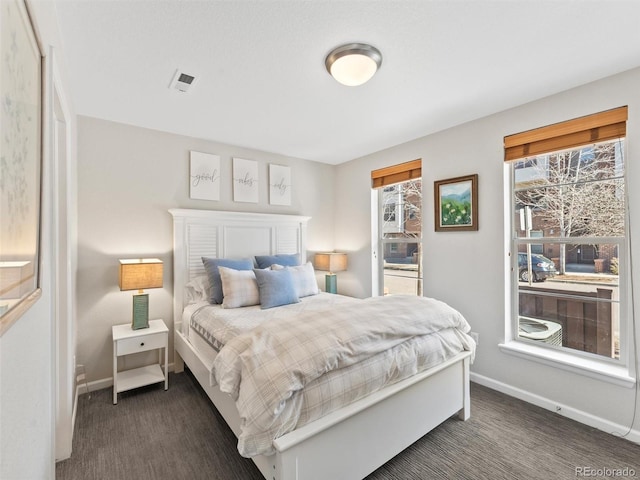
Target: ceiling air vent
(182, 81)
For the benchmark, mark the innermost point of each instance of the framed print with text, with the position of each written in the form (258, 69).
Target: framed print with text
(245, 180)
(204, 176)
(279, 185)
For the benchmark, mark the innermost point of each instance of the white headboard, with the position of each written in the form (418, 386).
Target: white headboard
(210, 233)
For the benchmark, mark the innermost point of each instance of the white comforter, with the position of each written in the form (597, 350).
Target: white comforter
(290, 371)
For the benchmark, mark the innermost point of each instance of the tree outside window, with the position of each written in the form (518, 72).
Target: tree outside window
(575, 193)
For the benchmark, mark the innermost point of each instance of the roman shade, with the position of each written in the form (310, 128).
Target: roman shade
(598, 127)
(396, 174)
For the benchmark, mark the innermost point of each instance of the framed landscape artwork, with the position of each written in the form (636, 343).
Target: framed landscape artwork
(20, 162)
(456, 204)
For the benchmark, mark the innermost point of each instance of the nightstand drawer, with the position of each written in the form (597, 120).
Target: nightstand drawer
(126, 346)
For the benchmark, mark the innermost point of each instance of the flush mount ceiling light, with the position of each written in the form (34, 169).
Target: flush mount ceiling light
(353, 64)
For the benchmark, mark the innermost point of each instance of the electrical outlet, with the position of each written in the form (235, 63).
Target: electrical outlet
(476, 337)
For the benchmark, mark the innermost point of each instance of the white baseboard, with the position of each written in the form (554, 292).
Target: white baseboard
(607, 426)
(104, 383)
(67, 455)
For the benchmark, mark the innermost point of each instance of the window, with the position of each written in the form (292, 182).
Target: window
(568, 218)
(389, 211)
(399, 229)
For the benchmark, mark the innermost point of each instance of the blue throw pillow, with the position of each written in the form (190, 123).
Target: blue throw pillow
(211, 267)
(276, 288)
(286, 260)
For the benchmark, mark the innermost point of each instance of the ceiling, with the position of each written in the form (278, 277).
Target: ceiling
(261, 82)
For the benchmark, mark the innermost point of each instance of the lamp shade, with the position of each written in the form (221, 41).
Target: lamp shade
(330, 262)
(140, 273)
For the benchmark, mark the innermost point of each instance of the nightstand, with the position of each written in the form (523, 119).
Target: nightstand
(127, 341)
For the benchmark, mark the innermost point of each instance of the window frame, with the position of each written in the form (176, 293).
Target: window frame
(620, 371)
(384, 181)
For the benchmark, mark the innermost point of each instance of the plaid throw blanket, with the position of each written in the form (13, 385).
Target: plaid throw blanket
(267, 368)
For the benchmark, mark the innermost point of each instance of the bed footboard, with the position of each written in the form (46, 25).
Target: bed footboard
(362, 437)
(352, 442)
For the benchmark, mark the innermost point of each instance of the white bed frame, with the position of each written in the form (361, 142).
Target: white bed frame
(351, 442)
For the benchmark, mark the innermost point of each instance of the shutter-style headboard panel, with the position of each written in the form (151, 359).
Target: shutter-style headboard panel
(202, 241)
(210, 233)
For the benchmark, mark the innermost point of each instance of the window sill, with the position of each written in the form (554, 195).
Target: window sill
(606, 372)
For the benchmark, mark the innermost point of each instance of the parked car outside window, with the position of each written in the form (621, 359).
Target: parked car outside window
(541, 268)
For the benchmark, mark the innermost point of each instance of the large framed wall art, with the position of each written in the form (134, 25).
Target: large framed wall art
(20, 162)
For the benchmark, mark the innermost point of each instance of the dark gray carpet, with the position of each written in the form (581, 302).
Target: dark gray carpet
(178, 434)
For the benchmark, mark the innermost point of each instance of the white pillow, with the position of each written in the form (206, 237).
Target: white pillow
(304, 279)
(239, 288)
(197, 290)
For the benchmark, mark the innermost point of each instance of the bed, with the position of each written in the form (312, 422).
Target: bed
(376, 427)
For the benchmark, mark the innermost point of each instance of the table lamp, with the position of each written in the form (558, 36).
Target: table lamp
(138, 274)
(331, 262)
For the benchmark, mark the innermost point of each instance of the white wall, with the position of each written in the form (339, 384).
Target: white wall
(128, 178)
(27, 349)
(467, 269)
